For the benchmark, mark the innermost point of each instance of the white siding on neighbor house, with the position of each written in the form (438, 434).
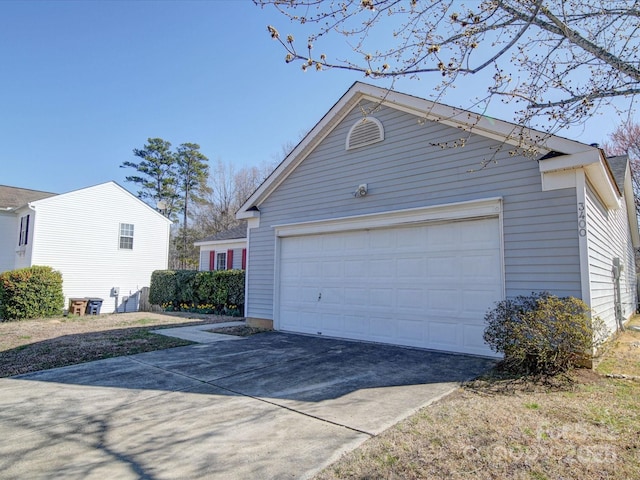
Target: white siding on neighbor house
(205, 251)
(8, 240)
(608, 236)
(23, 254)
(78, 234)
(407, 170)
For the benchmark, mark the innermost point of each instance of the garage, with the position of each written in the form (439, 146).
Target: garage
(426, 285)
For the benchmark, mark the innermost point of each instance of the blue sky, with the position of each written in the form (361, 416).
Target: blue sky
(84, 83)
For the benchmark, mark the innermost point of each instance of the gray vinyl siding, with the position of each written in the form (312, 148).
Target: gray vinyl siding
(407, 171)
(608, 237)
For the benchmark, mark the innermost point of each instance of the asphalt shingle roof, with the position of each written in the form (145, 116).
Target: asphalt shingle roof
(618, 168)
(14, 197)
(234, 233)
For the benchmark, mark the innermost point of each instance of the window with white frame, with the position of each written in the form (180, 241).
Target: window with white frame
(221, 261)
(126, 236)
(23, 239)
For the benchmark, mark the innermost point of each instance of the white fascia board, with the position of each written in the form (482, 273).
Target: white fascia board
(554, 170)
(99, 185)
(487, 207)
(569, 162)
(300, 152)
(473, 122)
(234, 242)
(476, 123)
(631, 207)
(600, 178)
(247, 214)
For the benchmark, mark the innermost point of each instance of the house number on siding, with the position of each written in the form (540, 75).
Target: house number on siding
(582, 220)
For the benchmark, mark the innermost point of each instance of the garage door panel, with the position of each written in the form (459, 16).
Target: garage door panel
(290, 269)
(355, 297)
(332, 296)
(356, 268)
(410, 298)
(443, 267)
(381, 267)
(382, 240)
(309, 269)
(381, 297)
(472, 337)
(412, 267)
(444, 302)
(410, 330)
(382, 329)
(355, 325)
(480, 267)
(427, 286)
(444, 334)
(475, 303)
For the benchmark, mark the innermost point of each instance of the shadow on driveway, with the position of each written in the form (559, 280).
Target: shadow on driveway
(273, 405)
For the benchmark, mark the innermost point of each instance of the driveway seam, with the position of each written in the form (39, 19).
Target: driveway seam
(211, 383)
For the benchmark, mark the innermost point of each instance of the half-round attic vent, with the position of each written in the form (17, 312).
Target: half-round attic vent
(365, 131)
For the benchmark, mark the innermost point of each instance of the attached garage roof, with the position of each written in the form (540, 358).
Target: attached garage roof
(423, 109)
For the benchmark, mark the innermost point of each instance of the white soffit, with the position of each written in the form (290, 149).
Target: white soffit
(557, 172)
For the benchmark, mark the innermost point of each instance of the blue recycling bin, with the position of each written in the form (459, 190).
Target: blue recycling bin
(93, 306)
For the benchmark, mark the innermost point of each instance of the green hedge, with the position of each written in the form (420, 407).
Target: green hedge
(32, 292)
(220, 291)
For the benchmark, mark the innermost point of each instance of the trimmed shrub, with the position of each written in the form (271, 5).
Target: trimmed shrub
(32, 292)
(185, 287)
(163, 287)
(541, 333)
(219, 291)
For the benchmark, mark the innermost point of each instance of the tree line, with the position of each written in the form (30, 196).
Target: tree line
(199, 198)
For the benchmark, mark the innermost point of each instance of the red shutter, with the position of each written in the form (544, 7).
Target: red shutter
(229, 259)
(244, 258)
(212, 260)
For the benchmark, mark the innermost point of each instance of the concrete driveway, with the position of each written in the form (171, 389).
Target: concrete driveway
(272, 405)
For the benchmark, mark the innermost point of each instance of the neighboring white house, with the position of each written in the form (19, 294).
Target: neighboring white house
(402, 221)
(225, 250)
(104, 240)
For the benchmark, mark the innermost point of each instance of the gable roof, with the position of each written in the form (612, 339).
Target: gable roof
(111, 183)
(476, 123)
(239, 232)
(15, 197)
(618, 167)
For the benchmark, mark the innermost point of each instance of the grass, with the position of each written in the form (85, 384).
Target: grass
(32, 345)
(581, 425)
(239, 331)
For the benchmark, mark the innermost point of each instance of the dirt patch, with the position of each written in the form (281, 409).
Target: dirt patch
(239, 331)
(32, 345)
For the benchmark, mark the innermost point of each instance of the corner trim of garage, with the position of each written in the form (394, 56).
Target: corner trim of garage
(487, 207)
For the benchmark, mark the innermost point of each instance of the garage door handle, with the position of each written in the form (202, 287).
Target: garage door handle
(319, 296)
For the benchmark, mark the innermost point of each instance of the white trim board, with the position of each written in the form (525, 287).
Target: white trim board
(488, 207)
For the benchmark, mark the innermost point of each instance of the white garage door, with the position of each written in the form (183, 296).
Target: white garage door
(426, 286)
